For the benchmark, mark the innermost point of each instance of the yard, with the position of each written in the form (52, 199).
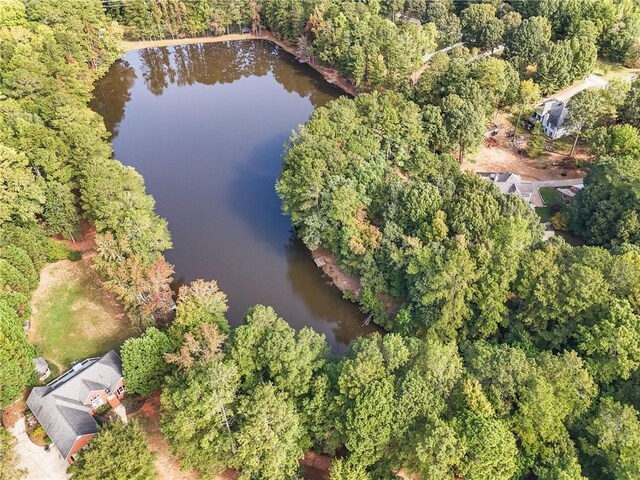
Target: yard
(73, 316)
(611, 70)
(553, 203)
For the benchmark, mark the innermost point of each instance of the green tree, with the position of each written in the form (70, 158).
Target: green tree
(8, 459)
(605, 212)
(528, 94)
(16, 356)
(490, 449)
(342, 469)
(480, 27)
(528, 41)
(143, 364)
(22, 195)
(464, 123)
(270, 436)
(612, 441)
(611, 345)
(198, 413)
(629, 112)
(126, 448)
(555, 67)
(12, 13)
(617, 141)
(198, 303)
(60, 210)
(266, 349)
(584, 112)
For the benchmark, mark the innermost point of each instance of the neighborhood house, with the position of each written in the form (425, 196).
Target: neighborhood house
(65, 407)
(552, 115)
(552, 112)
(510, 183)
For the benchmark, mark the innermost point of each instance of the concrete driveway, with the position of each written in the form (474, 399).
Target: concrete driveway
(39, 464)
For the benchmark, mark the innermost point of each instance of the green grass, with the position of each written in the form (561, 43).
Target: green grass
(611, 70)
(544, 214)
(551, 196)
(74, 318)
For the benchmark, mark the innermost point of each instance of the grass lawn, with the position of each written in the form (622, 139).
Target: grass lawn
(544, 214)
(611, 70)
(74, 317)
(551, 196)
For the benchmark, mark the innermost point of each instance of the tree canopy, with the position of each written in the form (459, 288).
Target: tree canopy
(118, 452)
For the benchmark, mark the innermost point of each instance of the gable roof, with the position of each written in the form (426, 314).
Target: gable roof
(511, 183)
(59, 406)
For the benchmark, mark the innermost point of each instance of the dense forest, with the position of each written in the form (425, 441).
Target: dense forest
(507, 357)
(57, 169)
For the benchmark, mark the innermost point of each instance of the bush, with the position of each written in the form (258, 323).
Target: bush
(560, 222)
(59, 251)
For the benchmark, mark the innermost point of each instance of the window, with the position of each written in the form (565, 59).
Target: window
(120, 390)
(96, 401)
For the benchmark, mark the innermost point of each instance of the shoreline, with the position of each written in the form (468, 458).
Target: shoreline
(330, 75)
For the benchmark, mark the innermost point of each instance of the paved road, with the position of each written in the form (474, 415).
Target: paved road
(429, 56)
(488, 53)
(567, 182)
(39, 464)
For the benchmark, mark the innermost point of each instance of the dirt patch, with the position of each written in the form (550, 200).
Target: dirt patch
(499, 155)
(315, 466)
(340, 279)
(331, 75)
(84, 243)
(13, 413)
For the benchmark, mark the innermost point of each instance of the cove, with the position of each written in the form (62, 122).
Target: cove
(205, 125)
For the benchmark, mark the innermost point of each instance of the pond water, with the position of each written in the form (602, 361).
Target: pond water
(206, 125)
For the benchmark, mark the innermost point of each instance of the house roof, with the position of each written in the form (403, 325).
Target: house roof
(555, 115)
(59, 406)
(511, 183)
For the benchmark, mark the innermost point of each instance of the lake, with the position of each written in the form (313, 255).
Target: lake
(206, 125)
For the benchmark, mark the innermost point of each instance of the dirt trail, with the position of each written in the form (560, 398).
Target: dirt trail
(330, 74)
(167, 465)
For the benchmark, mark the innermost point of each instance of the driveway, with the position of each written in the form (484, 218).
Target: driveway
(40, 465)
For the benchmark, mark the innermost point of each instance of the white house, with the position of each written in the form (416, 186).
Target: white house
(551, 115)
(552, 112)
(511, 183)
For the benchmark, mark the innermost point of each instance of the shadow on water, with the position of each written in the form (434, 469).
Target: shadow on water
(205, 125)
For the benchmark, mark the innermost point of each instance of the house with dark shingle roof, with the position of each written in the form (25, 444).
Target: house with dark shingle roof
(552, 115)
(65, 407)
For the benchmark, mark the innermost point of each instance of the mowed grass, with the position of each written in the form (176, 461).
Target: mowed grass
(544, 214)
(74, 317)
(551, 196)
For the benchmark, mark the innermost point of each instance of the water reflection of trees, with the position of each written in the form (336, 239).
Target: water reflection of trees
(227, 62)
(323, 301)
(208, 64)
(112, 93)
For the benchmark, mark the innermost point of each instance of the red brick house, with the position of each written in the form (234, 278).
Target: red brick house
(65, 407)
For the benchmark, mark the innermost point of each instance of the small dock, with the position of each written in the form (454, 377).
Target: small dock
(319, 261)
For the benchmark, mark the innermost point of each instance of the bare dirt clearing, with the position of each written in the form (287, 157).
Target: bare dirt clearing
(499, 155)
